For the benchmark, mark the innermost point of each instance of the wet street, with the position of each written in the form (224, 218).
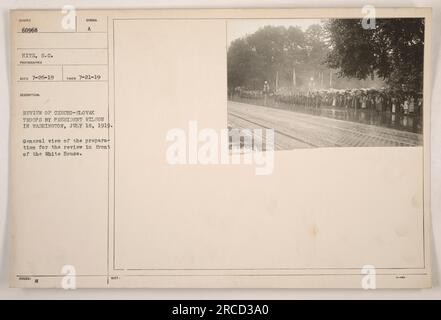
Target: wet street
(302, 130)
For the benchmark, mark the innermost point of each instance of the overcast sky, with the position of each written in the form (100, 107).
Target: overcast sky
(239, 28)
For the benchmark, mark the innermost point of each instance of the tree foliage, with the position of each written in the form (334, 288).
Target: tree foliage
(265, 53)
(393, 50)
(275, 53)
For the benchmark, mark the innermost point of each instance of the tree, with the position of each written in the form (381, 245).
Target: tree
(317, 49)
(243, 64)
(393, 50)
(268, 52)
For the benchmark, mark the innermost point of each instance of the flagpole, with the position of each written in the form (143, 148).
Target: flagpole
(294, 78)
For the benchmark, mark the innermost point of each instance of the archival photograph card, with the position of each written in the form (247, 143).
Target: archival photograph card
(220, 148)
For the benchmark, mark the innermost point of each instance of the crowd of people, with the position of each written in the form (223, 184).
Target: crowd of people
(357, 99)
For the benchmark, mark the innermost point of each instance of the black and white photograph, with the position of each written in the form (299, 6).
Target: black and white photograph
(328, 82)
(234, 151)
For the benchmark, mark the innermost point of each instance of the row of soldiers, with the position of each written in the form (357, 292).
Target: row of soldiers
(356, 99)
(379, 100)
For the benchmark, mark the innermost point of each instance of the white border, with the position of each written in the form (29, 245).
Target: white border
(5, 292)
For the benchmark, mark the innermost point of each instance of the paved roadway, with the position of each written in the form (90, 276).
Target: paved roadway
(299, 130)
